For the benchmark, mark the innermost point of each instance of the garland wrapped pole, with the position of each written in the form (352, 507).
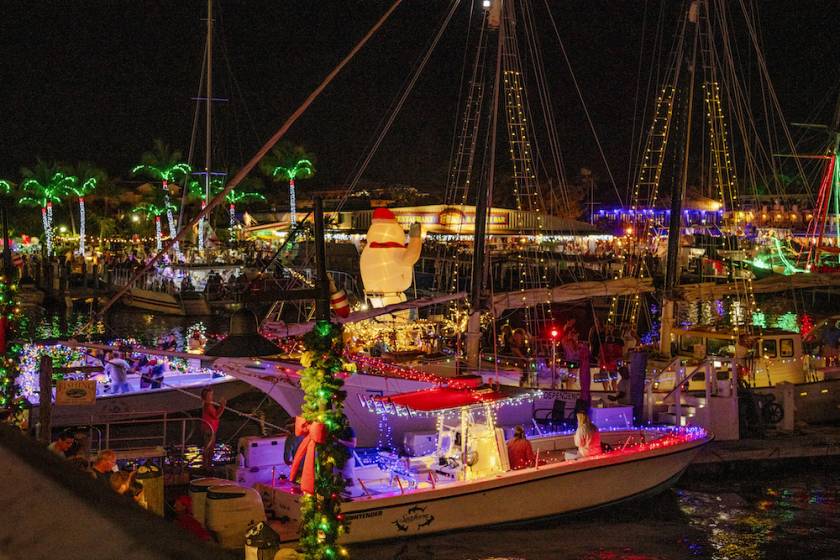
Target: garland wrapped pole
(321, 456)
(11, 403)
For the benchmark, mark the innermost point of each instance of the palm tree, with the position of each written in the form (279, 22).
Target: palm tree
(164, 165)
(155, 211)
(89, 177)
(233, 198)
(45, 184)
(288, 162)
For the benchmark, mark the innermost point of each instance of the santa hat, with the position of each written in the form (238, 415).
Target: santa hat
(381, 215)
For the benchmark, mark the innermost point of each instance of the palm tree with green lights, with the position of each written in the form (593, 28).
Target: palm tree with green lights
(233, 198)
(154, 211)
(89, 177)
(288, 162)
(164, 165)
(44, 186)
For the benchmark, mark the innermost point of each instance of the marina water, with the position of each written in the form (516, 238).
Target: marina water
(750, 514)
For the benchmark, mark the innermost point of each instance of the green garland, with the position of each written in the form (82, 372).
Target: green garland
(322, 522)
(11, 403)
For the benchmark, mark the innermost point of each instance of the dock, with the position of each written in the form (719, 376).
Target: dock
(812, 442)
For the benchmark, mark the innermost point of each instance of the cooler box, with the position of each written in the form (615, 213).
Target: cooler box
(198, 494)
(249, 476)
(420, 443)
(262, 451)
(151, 477)
(230, 511)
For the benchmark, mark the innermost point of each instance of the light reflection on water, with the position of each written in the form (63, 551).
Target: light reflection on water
(782, 515)
(120, 322)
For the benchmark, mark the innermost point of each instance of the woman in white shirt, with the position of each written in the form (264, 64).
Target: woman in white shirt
(587, 438)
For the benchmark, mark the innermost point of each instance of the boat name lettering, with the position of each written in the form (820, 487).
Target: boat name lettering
(363, 515)
(415, 515)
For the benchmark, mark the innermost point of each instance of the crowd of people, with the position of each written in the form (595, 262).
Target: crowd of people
(73, 446)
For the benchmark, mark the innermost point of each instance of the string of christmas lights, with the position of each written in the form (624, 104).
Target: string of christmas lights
(11, 402)
(322, 379)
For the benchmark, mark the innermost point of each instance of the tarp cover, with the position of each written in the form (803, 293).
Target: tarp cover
(443, 398)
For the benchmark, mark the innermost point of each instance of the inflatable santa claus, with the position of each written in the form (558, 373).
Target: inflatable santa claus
(387, 261)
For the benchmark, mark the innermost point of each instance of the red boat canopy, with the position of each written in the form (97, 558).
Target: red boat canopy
(440, 399)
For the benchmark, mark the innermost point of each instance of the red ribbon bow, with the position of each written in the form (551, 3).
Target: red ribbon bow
(315, 433)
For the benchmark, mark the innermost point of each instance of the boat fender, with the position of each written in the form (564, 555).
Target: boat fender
(289, 449)
(338, 301)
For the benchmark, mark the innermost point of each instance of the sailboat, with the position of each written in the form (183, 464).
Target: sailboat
(376, 377)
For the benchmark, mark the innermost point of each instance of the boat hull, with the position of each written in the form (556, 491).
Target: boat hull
(281, 382)
(136, 403)
(156, 302)
(528, 494)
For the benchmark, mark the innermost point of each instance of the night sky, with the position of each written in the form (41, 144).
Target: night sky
(90, 80)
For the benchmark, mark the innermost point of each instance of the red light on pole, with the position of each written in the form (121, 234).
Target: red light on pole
(554, 333)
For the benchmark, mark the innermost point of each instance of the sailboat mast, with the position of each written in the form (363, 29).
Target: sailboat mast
(208, 122)
(677, 193)
(481, 209)
(679, 188)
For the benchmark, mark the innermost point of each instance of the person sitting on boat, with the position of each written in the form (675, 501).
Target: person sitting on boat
(117, 370)
(520, 453)
(210, 415)
(187, 284)
(587, 437)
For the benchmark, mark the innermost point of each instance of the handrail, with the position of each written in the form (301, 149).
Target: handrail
(684, 378)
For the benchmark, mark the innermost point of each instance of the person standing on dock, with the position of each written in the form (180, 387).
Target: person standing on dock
(210, 415)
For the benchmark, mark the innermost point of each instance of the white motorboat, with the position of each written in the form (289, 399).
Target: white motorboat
(462, 483)
(280, 380)
(179, 391)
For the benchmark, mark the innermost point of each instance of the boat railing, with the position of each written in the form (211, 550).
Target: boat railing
(683, 373)
(123, 432)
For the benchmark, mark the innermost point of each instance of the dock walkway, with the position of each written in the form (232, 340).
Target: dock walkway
(804, 443)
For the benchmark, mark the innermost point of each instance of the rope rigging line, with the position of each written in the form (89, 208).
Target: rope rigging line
(582, 101)
(400, 103)
(243, 172)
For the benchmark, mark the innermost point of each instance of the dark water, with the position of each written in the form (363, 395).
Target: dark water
(751, 515)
